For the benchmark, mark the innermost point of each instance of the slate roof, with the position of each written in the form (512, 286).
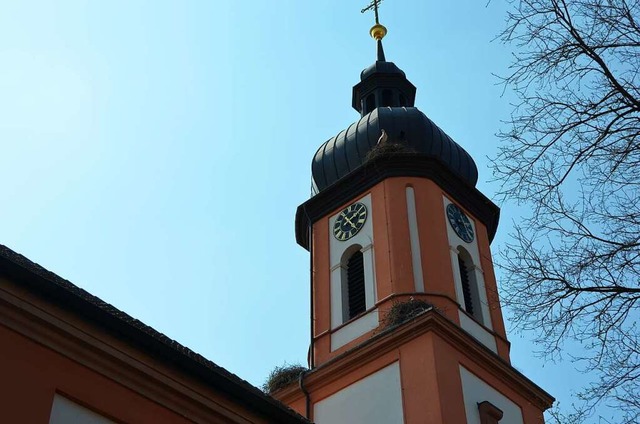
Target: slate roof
(141, 336)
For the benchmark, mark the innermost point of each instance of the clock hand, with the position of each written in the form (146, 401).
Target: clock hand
(348, 220)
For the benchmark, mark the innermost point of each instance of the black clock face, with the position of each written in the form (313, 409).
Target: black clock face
(350, 221)
(460, 223)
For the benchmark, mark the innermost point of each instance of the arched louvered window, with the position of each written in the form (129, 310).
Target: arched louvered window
(466, 286)
(355, 285)
(403, 100)
(469, 283)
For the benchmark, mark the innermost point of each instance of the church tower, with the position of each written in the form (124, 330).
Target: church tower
(406, 320)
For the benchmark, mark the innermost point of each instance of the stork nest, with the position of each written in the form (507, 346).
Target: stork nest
(388, 148)
(280, 377)
(405, 311)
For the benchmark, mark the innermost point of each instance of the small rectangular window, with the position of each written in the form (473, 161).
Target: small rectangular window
(489, 413)
(466, 286)
(65, 411)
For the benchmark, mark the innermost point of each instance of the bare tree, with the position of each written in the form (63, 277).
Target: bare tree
(572, 153)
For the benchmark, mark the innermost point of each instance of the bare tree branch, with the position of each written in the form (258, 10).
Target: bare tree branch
(571, 151)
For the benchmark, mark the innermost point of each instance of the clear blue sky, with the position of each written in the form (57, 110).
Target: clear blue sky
(154, 152)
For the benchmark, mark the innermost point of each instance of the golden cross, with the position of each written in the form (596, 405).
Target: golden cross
(374, 5)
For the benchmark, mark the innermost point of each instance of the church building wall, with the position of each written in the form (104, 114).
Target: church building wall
(477, 383)
(39, 374)
(375, 399)
(55, 360)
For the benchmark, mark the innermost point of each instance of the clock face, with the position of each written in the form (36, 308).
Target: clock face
(460, 223)
(350, 221)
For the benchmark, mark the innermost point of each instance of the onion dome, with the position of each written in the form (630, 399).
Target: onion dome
(404, 126)
(385, 99)
(389, 121)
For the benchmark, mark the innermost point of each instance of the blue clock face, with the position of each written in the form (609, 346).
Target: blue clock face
(460, 223)
(350, 221)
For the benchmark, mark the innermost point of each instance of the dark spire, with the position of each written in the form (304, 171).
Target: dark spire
(380, 52)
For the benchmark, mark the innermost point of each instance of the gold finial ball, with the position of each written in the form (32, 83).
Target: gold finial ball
(378, 31)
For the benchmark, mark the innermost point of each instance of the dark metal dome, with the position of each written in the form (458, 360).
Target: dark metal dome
(381, 67)
(404, 125)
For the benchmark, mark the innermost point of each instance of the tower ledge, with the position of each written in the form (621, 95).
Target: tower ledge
(394, 164)
(380, 350)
